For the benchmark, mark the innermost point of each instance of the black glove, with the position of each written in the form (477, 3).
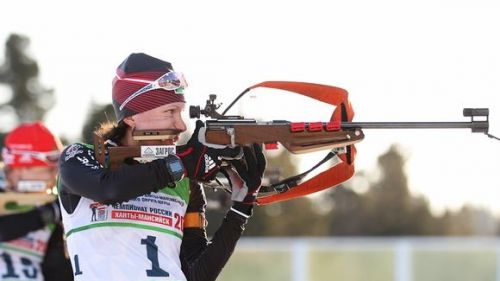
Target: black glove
(246, 181)
(200, 161)
(50, 212)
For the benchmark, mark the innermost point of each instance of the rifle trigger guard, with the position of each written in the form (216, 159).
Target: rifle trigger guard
(230, 132)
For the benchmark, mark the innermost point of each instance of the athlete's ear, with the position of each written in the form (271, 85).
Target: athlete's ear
(129, 121)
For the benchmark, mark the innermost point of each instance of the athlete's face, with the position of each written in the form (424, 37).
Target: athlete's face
(165, 117)
(27, 178)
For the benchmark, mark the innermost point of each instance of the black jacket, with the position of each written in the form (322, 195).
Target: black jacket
(81, 175)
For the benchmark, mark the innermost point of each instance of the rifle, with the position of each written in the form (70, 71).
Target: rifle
(13, 202)
(339, 134)
(302, 137)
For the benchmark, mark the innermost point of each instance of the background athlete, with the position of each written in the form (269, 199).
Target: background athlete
(32, 246)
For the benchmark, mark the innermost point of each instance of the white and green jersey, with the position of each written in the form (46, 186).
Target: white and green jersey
(136, 240)
(21, 259)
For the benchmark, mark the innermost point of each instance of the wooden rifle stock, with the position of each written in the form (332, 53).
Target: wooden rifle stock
(310, 137)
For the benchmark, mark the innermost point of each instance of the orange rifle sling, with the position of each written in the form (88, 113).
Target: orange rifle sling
(335, 175)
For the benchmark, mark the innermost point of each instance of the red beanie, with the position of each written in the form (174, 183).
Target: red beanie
(29, 145)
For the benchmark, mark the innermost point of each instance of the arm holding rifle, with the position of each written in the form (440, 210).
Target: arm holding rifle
(203, 259)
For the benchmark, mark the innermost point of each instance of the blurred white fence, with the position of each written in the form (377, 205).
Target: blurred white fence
(398, 259)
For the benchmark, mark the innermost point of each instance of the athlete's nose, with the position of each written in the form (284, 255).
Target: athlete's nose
(179, 123)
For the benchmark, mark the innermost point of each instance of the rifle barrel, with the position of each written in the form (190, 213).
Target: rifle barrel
(476, 126)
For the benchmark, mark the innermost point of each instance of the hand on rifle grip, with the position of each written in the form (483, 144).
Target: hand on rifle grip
(246, 178)
(201, 161)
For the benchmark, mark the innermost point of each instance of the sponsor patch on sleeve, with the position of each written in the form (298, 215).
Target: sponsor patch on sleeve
(72, 151)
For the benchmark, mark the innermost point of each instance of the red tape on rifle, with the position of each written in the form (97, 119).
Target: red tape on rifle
(343, 112)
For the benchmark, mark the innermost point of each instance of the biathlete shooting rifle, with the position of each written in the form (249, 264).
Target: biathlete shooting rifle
(339, 134)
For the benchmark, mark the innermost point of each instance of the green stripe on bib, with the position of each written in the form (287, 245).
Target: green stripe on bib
(123, 224)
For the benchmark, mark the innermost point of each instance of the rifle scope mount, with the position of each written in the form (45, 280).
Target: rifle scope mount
(210, 110)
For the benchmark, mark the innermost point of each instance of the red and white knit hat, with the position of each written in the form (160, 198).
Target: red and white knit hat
(135, 73)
